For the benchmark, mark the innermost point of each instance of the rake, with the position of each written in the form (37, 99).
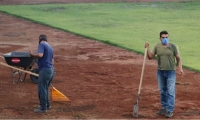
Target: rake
(55, 94)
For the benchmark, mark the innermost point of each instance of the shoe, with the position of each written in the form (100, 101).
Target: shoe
(168, 114)
(39, 110)
(48, 108)
(162, 112)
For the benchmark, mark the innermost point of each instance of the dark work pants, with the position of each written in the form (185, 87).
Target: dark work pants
(45, 78)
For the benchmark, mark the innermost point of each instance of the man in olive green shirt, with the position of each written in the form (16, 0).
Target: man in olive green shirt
(168, 56)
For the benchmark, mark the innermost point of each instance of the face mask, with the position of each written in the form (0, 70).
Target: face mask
(165, 41)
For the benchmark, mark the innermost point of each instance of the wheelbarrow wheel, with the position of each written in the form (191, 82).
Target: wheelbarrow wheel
(34, 78)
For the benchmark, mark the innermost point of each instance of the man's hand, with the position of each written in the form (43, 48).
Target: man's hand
(180, 71)
(31, 53)
(146, 45)
(150, 55)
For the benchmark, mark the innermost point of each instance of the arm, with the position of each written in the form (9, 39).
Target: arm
(178, 59)
(150, 55)
(40, 52)
(37, 55)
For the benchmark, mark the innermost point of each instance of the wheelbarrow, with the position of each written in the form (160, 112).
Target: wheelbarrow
(21, 60)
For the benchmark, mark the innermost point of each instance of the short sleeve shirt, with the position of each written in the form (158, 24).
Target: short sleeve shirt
(166, 56)
(46, 60)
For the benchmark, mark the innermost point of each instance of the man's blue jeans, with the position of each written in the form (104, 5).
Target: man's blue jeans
(167, 83)
(45, 77)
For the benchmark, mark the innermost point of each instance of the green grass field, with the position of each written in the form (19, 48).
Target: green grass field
(126, 25)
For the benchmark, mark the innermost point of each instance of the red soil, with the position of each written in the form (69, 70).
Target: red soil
(100, 80)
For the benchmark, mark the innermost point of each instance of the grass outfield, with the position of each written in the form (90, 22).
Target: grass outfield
(126, 25)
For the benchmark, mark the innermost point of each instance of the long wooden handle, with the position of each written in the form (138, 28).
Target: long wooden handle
(141, 78)
(19, 69)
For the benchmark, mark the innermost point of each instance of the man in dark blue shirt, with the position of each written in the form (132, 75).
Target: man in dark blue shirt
(46, 72)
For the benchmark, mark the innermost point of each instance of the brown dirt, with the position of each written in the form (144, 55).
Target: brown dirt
(100, 80)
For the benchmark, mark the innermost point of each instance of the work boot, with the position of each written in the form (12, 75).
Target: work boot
(168, 114)
(162, 112)
(39, 110)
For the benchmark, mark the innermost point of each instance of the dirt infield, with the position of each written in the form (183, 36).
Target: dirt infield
(100, 80)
